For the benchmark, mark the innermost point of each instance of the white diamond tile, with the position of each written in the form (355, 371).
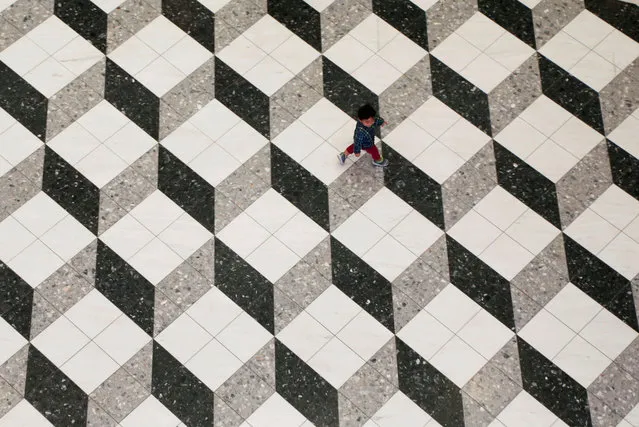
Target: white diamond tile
(67, 238)
(133, 55)
(591, 231)
(452, 308)
(160, 34)
(500, 208)
(103, 120)
(485, 334)
(552, 160)
(183, 338)
(358, 233)
(241, 54)
(364, 335)
(439, 162)
(122, 339)
(402, 53)
(456, 52)
(435, 117)
(509, 51)
(632, 230)
(298, 141)
(89, 367)
(581, 361)
(93, 313)
(616, 206)
(17, 236)
(377, 74)
(622, 254)
(625, 135)
(618, 49)
(242, 141)
(480, 30)
(389, 257)
(475, 232)
(506, 256)
(156, 212)
(155, 261)
(78, 56)
(408, 139)
(23, 55)
(273, 259)
(295, 54)
(335, 362)
(130, 142)
(160, 76)
(348, 53)
(243, 235)
(49, 77)
(374, 33)
(271, 210)
(101, 166)
(532, 231)
(399, 410)
(214, 120)
(267, 33)
(588, 29)
(214, 311)
(524, 408)
(333, 309)
(464, 139)
(61, 340)
(268, 75)
(576, 137)
(185, 235)
(276, 411)
(458, 361)
(17, 143)
(301, 234)
(150, 413)
(304, 336)
(416, 233)
(39, 214)
(214, 164)
(520, 137)
(425, 344)
(214, 374)
(214, 5)
(187, 55)
(545, 115)
(564, 50)
(385, 209)
(108, 5)
(547, 334)
(324, 165)
(573, 307)
(11, 341)
(126, 237)
(36, 263)
(485, 73)
(594, 70)
(24, 415)
(324, 118)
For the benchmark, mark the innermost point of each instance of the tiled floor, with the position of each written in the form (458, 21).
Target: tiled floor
(180, 247)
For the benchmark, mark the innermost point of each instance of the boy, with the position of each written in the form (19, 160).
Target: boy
(364, 136)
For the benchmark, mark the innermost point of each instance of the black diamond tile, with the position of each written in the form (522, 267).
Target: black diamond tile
(551, 386)
(415, 187)
(459, 94)
(406, 17)
(601, 282)
(179, 390)
(186, 188)
(193, 18)
(244, 285)
(125, 287)
(363, 284)
(241, 97)
(527, 184)
(86, 19)
(625, 169)
(343, 90)
(53, 394)
(304, 388)
(513, 15)
(133, 99)
(23, 101)
(428, 388)
(71, 190)
(16, 298)
(299, 17)
(480, 282)
(571, 93)
(300, 187)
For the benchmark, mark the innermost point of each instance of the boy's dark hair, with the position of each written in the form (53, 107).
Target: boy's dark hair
(366, 112)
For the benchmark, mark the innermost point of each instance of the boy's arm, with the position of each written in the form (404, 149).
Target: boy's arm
(380, 121)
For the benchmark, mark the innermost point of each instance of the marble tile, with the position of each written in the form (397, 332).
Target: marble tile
(120, 394)
(235, 392)
(550, 16)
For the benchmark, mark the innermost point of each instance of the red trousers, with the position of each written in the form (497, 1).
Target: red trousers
(373, 151)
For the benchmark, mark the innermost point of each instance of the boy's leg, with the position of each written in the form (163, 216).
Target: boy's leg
(342, 156)
(373, 151)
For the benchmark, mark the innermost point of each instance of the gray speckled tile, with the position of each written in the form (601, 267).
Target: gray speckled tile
(242, 187)
(601, 414)
(420, 282)
(303, 284)
(320, 259)
(140, 364)
(492, 388)
(9, 397)
(405, 95)
(109, 213)
(43, 314)
(25, 15)
(285, 310)
(475, 415)
(263, 363)
(203, 260)
(550, 16)
(313, 75)
(184, 285)
(194, 92)
(9, 34)
(340, 18)
(628, 360)
(15, 190)
(33, 167)
(436, 257)
(445, 17)
(120, 394)
(339, 209)
(224, 34)
(368, 390)
(385, 362)
(14, 370)
(147, 165)
(349, 414)
(224, 415)
(240, 15)
(94, 77)
(545, 275)
(583, 184)
(520, 89)
(280, 119)
(235, 391)
(170, 119)
(616, 388)
(57, 121)
(128, 189)
(84, 262)
(260, 163)
(620, 97)
(98, 417)
(117, 32)
(404, 308)
(463, 190)
(357, 185)
(507, 361)
(165, 312)
(76, 98)
(524, 307)
(225, 210)
(135, 15)
(296, 96)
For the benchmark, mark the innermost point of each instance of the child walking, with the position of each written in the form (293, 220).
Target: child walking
(364, 136)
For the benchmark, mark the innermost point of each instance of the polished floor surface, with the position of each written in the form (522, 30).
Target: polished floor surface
(179, 245)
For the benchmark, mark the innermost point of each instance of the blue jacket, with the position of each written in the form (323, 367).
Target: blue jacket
(364, 137)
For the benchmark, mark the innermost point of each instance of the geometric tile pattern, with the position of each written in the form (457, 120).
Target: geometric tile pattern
(180, 247)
